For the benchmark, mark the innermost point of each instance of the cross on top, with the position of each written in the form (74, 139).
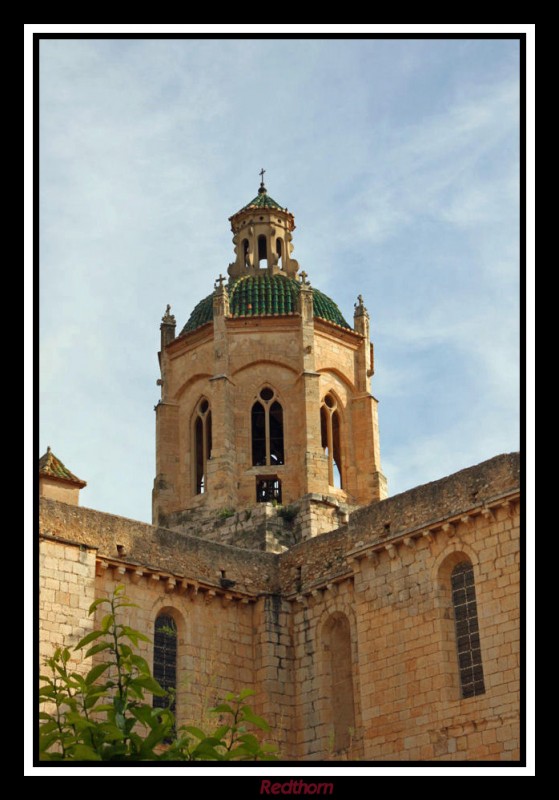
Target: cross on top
(219, 282)
(304, 277)
(261, 173)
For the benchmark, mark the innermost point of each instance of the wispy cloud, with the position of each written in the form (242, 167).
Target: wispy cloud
(400, 162)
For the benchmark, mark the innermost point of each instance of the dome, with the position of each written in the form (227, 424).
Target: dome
(265, 295)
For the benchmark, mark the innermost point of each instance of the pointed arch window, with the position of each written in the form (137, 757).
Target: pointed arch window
(165, 659)
(262, 249)
(202, 445)
(467, 630)
(330, 428)
(267, 430)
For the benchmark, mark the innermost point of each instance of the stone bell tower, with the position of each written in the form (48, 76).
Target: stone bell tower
(266, 392)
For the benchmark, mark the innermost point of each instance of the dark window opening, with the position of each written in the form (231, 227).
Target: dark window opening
(200, 465)
(467, 630)
(279, 251)
(336, 450)
(245, 251)
(202, 446)
(330, 434)
(276, 434)
(268, 490)
(258, 435)
(324, 428)
(165, 660)
(262, 250)
(267, 430)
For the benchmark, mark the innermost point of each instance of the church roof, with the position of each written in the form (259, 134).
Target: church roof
(263, 200)
(52, 467)
(265, 296)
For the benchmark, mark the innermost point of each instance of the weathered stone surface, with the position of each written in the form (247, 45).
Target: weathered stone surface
(377, 588)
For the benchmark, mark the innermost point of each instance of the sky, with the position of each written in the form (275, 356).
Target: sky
(399, 159)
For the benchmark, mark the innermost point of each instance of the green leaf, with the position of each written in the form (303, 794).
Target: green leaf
(97, 648)
(149, 683)
(106, 622)
(134, 635)
(87, 639)
(254, 719)
(98, 602)
(46, 741)
(245, 693)
(141, 663)
(197, 732)
(81, 752)
(223, 708)
(250, 742)
(95, 672)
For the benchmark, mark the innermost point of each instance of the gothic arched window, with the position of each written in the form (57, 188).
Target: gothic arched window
(262, 249)
(267, 430)
(467, 630)
(330, 425)
(202, 445)
(165, 659)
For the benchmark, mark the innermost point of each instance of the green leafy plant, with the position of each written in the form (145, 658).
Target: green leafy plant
(104, 715)
(225, 513)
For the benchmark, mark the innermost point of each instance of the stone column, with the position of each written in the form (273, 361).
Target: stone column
(222, 464)
(164, 494)
(315, 466)
(371, 483)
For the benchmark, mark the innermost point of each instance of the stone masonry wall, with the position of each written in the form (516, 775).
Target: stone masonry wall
(375, 593)
(66, 590)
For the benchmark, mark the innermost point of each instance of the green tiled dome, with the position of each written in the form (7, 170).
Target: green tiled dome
(262, 200)
(265, 295)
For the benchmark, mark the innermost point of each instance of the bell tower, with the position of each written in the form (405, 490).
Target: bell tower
(266, 391)
(262, 235)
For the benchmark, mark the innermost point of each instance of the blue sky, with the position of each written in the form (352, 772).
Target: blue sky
(399, 159)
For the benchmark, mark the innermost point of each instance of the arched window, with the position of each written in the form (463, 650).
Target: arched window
(267, 430)
(165, 659)
(245, 251)
(262, 249)
(331, 439)
(467, 630)
(279, 251)
(202, 445)
(338, 670)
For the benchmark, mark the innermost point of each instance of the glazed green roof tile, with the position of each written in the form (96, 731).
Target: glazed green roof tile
(265, 295)
(263, 200)
(203, 312)
(52, 467)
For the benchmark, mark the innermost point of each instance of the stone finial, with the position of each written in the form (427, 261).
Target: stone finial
(262, 188)
(219, 282)
(359, 306)
(168, 318)
(304, 281)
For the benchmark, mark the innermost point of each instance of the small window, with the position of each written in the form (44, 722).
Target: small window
(330, 430)
(267, 430)
(262, 250)
(202, 445)
(268, 489)
(279, 251)
(165, 659)
(467, 630)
